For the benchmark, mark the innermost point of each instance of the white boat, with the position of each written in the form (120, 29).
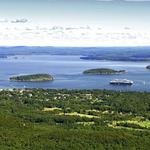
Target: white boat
(121, 82)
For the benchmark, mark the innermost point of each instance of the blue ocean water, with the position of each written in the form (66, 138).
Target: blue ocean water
(67, 71)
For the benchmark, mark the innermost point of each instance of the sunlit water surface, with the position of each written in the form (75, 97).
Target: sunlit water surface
(67, 71)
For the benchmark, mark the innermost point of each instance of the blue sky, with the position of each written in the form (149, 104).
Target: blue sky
(113, 17)
(77, 11)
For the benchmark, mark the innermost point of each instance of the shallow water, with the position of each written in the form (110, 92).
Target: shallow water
(67, 71)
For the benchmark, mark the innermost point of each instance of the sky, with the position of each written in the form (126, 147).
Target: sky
(75, 22)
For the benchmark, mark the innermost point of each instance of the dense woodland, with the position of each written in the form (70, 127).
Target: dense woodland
(41, 119)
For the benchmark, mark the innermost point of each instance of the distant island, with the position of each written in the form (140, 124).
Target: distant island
(103, 71)
(148, 67)
(32, 78)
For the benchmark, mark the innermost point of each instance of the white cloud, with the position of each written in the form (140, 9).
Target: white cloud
(19, 21)
(27, 34)
(3, 21)
(23, 20)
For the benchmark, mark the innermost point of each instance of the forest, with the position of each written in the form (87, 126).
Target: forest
(44, 119)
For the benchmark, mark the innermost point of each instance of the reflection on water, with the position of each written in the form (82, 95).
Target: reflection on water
(67, 71)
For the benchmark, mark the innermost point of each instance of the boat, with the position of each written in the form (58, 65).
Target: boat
(121, 82)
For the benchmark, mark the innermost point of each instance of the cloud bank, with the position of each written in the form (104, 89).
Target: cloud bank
(16, 33)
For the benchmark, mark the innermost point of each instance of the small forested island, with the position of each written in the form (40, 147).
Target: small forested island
(148, 67)
(103, 71)
(32, 78)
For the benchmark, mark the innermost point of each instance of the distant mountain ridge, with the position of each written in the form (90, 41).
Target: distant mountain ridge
(92, 53)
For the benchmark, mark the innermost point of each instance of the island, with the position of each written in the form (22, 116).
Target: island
(103, 71)
(148, 67)
(32, 78)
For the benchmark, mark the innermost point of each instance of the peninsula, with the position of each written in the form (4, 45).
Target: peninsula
(32, 78)
(103, 71)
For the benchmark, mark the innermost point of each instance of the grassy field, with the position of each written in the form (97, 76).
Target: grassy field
(132, 124)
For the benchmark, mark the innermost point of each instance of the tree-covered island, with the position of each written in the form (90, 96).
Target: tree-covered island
(32, 78)
(103, 71)
(148, 67)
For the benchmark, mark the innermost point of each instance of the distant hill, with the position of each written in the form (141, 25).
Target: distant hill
(92, 53)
